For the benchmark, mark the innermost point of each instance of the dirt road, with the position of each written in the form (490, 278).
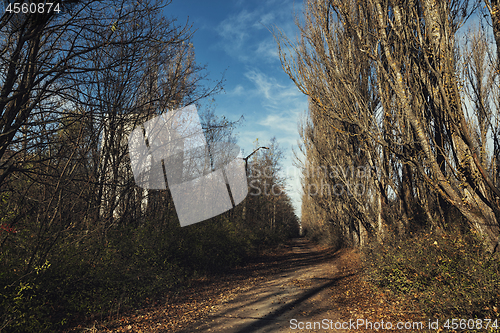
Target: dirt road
(298, 289)
(279, 291)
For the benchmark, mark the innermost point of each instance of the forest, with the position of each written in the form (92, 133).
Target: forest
(78, 238)
(402, 147)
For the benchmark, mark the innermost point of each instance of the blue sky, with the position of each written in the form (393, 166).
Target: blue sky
(234, 38)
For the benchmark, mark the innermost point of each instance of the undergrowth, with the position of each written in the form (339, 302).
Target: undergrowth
(133, 268)
(443, 274)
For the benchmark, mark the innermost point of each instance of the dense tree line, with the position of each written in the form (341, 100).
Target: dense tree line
(77, 236)
(405, 94)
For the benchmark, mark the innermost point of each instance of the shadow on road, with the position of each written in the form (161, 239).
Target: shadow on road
(271, 317)
(294, 283)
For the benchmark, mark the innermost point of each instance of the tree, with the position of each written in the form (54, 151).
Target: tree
(268, 208)
(388, 71)
(74, 84)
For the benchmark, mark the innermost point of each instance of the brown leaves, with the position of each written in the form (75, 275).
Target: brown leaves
(356, 299)
(183, 307)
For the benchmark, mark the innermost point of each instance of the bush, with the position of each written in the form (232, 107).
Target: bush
(133, 266)
(446, 274)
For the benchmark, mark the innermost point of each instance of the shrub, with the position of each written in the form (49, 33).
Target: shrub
(133, 265)
(446, 274)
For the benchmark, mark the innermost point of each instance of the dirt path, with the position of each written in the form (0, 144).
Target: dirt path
(300, 281)
(300, 288)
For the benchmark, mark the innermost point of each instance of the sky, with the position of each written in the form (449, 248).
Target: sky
(234, 39)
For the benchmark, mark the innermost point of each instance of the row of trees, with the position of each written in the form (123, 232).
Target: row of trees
(76, 233)
(405, 95)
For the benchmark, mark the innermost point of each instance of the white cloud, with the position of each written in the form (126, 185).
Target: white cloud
(265, 19)
(235, 31)
(286, 122)
(263, 84)
(276, 95)
(268, 50)
(246, 36)
(237, 91)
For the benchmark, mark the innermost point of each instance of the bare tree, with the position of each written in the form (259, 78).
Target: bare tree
(74, 85)
(268, 208)
(410, 54)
